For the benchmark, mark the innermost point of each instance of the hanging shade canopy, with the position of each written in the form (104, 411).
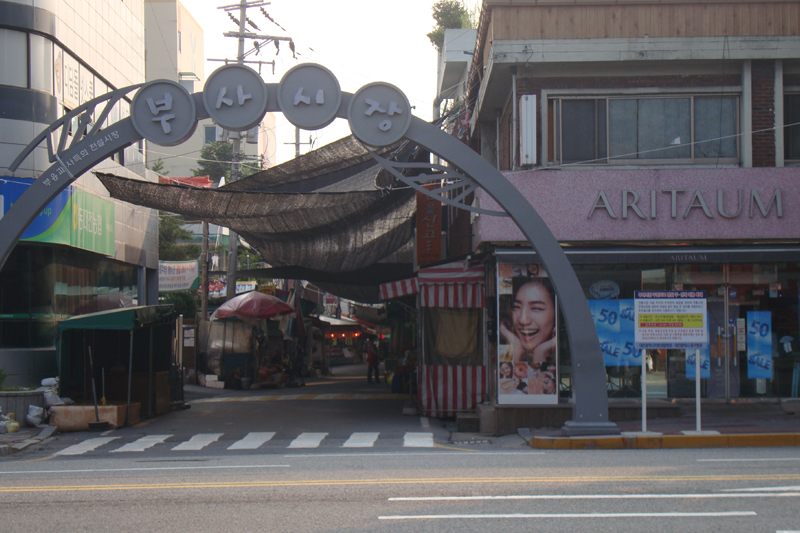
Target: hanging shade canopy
(325, 217)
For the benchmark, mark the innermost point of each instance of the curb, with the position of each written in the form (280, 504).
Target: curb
(758, 440)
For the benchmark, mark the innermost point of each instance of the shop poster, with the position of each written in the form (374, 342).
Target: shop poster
(759, 345)
(527, 336)
(705, 362)
(616, 328)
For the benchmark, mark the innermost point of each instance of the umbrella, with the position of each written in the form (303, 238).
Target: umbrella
(251, 307)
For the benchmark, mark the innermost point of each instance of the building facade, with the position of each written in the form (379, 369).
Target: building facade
(56, 56)
(658, 140)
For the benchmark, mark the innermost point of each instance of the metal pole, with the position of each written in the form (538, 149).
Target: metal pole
(130, 376)
(644, 392)
(150, 377)
(697, 387)
(204, 275)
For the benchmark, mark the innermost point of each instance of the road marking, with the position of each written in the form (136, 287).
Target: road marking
(86, 446)
(572, 515)
(418, 440)
(592, 497)
(143, 443)
(197, 442)
(409, 454)
(146, 468)
(361, 440)
(759, 459)
(252, 441)
(416, 481)
(765, 489)
(308, 440)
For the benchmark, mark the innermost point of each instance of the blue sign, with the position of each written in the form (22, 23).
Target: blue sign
(50, 217)
(614, 320)
(705, 362)
(759, 345)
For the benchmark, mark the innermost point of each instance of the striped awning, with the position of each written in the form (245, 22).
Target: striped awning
(396, 289)
(452, 285)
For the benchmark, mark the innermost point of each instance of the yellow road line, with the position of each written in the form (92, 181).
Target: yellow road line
(428, 481)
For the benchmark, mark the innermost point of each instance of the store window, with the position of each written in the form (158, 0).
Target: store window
(791, 131)
(686, 129)
(41, 64)
(13, 50)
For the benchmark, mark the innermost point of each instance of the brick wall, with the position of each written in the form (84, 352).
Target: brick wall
(763, 76)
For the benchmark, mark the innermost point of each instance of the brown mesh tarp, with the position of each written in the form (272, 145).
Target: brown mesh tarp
(313, 217)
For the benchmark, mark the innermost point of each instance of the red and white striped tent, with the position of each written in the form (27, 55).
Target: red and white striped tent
(445, 390)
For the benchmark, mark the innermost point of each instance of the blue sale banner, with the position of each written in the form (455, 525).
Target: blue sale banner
(614, 320)
(759, 345)
(705, 362)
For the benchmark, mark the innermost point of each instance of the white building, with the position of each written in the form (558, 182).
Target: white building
(57, 55)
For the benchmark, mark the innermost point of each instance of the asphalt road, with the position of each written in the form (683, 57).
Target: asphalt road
(378, 470)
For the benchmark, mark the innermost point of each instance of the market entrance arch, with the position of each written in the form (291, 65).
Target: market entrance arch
(309, 96)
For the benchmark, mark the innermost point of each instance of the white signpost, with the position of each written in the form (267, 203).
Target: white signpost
(671, 320)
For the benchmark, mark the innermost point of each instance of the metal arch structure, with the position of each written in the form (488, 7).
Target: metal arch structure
(310, 98)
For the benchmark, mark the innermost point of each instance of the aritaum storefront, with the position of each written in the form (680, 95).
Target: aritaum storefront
(733, 233)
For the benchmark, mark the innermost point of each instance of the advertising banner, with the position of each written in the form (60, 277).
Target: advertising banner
(178, 276)
(705, 363)
(74, 218)
(759, 345)
(614, 320)
(429, 228)
(527, 336)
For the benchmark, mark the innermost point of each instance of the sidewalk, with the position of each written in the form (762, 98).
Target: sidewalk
(722, 426)
(26, 436)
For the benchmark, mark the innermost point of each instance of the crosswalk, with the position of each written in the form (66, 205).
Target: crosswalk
(251, 441)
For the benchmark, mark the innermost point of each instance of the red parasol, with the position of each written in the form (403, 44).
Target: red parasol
(251, 307)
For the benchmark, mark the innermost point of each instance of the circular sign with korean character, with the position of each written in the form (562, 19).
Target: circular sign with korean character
(235, 97)
(163, 112)
(309, 96)
(379, 114)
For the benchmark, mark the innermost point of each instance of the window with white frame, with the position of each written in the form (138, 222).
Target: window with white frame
(209, 134)
(657, 129)
(791, 130)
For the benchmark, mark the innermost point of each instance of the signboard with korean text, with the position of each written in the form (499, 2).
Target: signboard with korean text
(178, 276)
(73, 217)
(670, 319)
(759, 345)
(429, 229)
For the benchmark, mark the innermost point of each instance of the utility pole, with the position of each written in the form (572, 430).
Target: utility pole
(236, 167)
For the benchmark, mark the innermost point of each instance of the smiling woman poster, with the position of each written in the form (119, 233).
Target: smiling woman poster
(527, 335)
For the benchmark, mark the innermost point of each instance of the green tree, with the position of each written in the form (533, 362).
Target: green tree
(158, 167)
(185, 302)
(449, 15)
(172, 239)
(215, 161)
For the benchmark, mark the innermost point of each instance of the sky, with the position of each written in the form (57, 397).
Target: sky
(360, 41)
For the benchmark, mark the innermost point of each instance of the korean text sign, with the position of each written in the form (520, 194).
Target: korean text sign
(670, 319)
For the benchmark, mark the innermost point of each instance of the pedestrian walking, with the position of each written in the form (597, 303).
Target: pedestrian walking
(372, 363)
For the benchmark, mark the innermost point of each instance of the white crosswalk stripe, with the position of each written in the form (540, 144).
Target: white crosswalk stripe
(142, 444)
(418, 440)
(85, 446)
(252, 441)
(361, 440)
(197, 442)
(308, 440)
